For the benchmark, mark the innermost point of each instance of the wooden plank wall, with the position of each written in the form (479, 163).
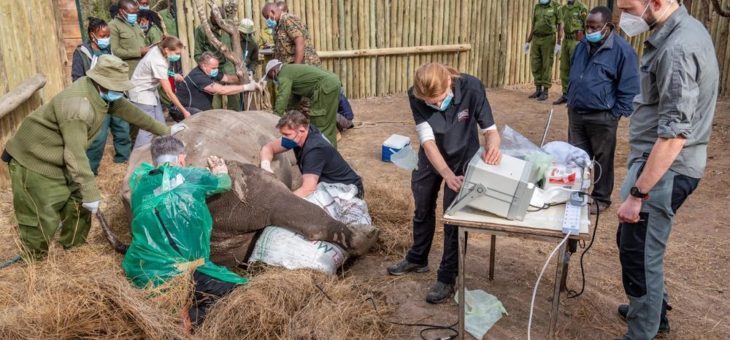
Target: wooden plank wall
(30, 43)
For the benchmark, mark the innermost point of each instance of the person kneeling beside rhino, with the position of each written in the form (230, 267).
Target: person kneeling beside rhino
(317, 158)
(171, 225)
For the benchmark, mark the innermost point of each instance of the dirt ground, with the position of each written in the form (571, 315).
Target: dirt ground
(697, 273)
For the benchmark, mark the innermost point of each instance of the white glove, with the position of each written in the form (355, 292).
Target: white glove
(91, 206)
(253, 86)
(266, 165)
(527, 48)
(177, 128)
(557, 49)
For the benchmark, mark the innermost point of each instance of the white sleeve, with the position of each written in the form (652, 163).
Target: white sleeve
(492, 127)
(425, 132)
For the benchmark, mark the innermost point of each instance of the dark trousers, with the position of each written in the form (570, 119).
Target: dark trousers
(596, 134)
(207, 291)
(425, 184)
(642, 246)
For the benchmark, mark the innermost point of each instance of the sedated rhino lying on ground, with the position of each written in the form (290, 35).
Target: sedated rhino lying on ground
(257, 198)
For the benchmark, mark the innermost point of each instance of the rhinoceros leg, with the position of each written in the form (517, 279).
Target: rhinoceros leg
(259, 199)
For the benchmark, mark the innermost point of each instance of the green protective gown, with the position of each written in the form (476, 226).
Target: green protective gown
(171, 224)
(573, 18)
(544, 26)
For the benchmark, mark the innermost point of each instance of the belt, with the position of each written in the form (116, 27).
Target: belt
(544, 34)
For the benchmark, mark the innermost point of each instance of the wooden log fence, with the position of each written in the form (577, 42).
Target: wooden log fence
(20, 94)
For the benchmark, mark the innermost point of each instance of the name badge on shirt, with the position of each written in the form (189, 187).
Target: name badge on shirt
(463, 116)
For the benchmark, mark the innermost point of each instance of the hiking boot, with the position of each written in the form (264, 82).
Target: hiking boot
(543, 95)
(623, 311)
(562, 100)
(405, 267)
(538, 91)
(440, 292)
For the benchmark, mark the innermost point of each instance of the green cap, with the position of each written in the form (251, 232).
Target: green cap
(111, 73)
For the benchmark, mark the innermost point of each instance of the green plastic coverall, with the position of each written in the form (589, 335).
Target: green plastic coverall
(171, 224)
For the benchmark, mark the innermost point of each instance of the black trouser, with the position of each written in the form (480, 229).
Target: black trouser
(207, 291)
(425, 184)
(595, 133)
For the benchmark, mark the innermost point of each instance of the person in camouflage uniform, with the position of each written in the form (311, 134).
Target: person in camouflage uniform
(292, 42)
(573, 16)
(545, 23)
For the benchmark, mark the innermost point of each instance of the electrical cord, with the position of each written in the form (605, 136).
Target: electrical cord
(428, 327)
(544, 207)
(534, 290)
(582, 270)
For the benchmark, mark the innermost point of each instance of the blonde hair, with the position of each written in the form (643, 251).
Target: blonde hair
(432, 80)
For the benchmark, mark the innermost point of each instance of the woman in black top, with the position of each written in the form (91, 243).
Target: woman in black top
(450, 110)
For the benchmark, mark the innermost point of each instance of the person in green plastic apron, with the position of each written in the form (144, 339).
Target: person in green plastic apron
(545, 23)
(573, 17)
(171, 225)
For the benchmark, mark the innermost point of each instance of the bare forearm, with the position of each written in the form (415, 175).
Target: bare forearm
(231, 89)
(171, 95)
(662, 156)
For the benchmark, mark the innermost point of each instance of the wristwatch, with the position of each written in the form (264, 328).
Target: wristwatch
(638, 194)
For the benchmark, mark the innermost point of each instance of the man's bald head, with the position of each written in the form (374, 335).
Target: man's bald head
(127, 4)
(283, 6)
(271, 11)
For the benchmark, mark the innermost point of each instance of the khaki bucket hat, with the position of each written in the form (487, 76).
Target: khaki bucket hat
(246, 26)
(111, 73)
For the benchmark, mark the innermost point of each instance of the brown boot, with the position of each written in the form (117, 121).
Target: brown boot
(543, 95)
(562, 100)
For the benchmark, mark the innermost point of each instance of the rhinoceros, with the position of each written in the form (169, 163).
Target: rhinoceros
(258, 198)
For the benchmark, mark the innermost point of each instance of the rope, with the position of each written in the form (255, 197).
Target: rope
(10, 262)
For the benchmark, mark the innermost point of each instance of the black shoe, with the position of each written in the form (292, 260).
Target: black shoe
(404, 267)
(440, 292)
(562, 100)
(599, 208)
(623, 311)
(538, 91)
(543, 95)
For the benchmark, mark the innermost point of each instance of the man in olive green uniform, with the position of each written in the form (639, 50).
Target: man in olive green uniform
(202, 44)
(573, 17)
(127, 39)
(53, 186)
(545, 23)
(323, 87)
(169, 17)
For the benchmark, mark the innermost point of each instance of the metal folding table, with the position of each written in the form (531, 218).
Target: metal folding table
(544, 225)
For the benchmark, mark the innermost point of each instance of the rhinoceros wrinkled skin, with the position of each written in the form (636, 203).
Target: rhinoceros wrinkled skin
(257, 198)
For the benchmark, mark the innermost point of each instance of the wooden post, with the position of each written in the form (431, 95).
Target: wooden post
(11, 100)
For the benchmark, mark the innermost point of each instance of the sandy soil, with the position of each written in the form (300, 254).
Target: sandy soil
(696, 264)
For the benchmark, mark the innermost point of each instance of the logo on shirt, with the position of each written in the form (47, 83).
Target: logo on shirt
(463, 116)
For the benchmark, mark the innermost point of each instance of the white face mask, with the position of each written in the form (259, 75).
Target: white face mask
(634, 25)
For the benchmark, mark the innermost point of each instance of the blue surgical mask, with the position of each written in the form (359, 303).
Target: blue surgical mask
(288, 143)
(132, 18)
(270, 23)
(444, 103)
(214, 73)
(596, 36)
(173, 58)
(103, 43)
(544, 2)
(144, 7)
(110, 96)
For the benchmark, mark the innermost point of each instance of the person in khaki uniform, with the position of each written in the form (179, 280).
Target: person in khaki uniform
(202, 44)
(128, 40)
(545, 23)
(311, 82)
(573, 17)
(53, 186)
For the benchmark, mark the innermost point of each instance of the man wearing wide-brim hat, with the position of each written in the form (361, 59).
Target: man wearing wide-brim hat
(53, 186)
(248, 44)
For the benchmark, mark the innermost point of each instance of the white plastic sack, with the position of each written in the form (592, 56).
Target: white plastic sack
(405, 158)
(280, 247)
(566, 154)
(483, 310)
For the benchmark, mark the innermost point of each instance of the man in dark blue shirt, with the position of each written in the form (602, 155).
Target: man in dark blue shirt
(604, 79)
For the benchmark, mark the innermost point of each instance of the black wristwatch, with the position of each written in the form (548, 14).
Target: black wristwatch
(638, 194)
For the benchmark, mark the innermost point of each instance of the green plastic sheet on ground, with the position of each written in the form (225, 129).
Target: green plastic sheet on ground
(171, 224)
